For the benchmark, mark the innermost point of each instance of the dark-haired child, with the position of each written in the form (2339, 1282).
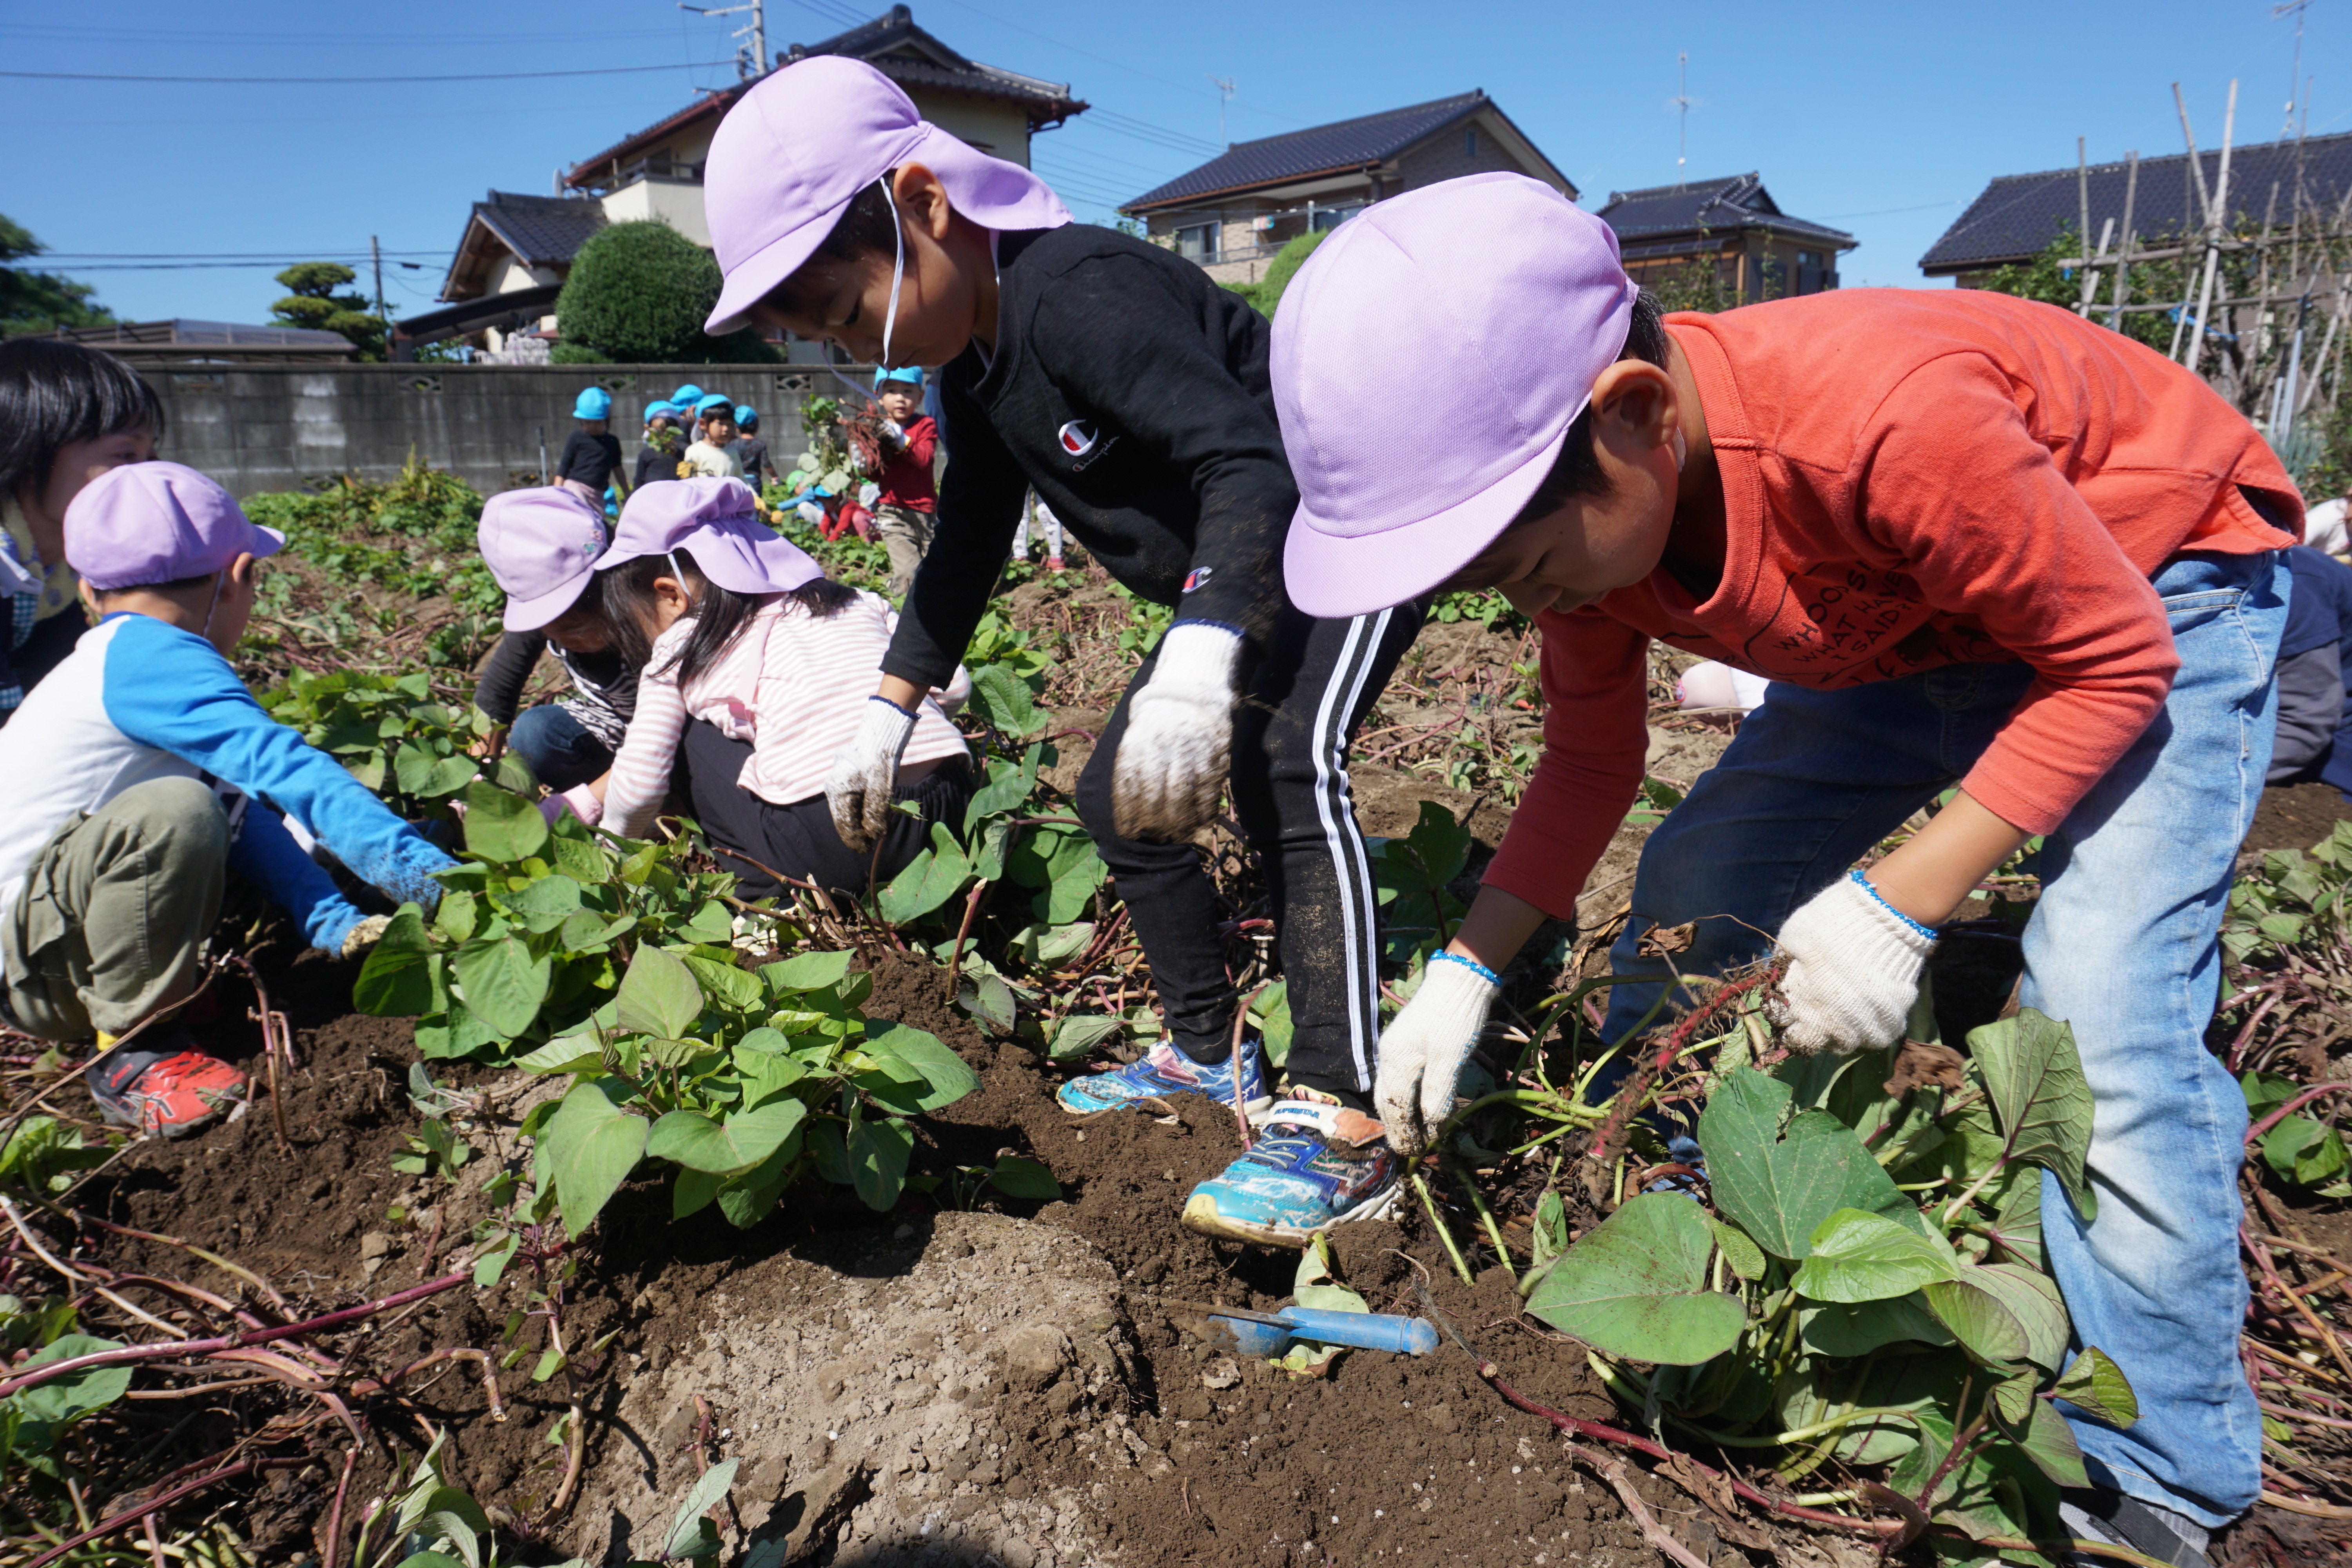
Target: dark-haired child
(909, 498)
(125, 788)
(756, 669)
(541, 544)
(663, 446)
(749, 451)
(1132, 392)
(712, 455)
(67, 414)
(1975, 541)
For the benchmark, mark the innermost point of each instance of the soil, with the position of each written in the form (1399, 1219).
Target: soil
(2296, 817)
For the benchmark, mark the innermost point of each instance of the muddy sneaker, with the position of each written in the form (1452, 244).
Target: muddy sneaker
(1163, 1069)
(1316, 1164)
(2099, 1514)
(169, 1091)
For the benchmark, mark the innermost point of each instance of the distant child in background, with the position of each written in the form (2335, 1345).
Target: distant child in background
(758, 669)
(68, 415)
(686, 399)
(909, 501)
(126, 785)
(665, 443)
(712, 456)
(2315, 675)
(749, 451)
(1049, 527)
(541, 545)
(592, 455)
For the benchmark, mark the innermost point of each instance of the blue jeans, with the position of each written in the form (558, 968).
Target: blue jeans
(2123, 946)
(562, 752)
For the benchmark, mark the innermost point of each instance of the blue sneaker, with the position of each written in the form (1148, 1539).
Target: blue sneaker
(1316, 1164)
(1163, 1069)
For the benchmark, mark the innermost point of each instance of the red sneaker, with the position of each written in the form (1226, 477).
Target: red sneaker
(173, 1094)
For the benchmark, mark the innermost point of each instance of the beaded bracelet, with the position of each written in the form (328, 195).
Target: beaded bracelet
(1928, 932)
(1472, 964)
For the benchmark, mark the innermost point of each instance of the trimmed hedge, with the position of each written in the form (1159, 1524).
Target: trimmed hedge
(638, 294)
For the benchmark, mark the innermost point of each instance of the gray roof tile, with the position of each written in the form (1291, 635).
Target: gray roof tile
(2018, 214)
(1319, 148)
(1730, 202)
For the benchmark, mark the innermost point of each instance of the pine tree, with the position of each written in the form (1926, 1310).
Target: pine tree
(313, 303)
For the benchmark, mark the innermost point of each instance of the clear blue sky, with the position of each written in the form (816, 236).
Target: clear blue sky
(1882, 119)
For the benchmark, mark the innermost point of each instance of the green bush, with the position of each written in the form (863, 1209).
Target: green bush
(1267, 294)
(638, 294)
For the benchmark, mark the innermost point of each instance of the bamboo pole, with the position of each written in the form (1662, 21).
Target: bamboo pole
(2215, 217)
(2195, 170)
(2123, 265)
(2091, 272)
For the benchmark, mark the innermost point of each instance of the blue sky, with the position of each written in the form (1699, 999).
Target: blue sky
(1882, 119)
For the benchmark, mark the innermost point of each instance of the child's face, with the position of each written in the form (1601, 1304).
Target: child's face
(79, 462)
(900, 400)
(578, 631)
(948, 280)
(717, 429)
(595, 426)
(1589, 546)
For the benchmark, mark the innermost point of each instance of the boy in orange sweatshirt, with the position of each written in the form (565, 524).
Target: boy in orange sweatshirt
(1973, 541)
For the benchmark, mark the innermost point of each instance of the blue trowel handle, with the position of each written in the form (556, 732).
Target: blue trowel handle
(1365, 1331)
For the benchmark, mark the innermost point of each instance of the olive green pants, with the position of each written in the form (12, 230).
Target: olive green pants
(906, 534)
(111, 921)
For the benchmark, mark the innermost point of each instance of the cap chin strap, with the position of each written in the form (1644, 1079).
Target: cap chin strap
(1682, 449)
(898, 266)
(206, 631)
(679, 577)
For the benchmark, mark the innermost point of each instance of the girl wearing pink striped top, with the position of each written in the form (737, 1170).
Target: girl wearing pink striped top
(757, 670)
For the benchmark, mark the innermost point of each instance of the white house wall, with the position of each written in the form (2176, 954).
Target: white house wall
(673, 201)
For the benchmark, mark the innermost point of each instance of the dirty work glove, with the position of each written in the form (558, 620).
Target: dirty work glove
(578, 800)
(866, 771)
(1854, 968)
(1180, 734)
(1421, 1053)
(364, 935)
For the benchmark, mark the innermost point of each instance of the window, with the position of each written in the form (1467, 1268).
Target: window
(1470, 142)
(1197, 242)
(1809, 259)
(1331, 217)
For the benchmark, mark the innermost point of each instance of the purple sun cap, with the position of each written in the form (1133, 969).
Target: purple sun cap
(148, 524)
(718, 522)
(794, 154)
(541, 545)
(1498, 304)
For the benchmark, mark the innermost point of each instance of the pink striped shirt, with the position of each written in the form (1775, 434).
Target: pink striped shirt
(791, 684)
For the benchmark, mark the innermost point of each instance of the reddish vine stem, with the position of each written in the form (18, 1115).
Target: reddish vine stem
(1608, 1142)
(963, 933)
(124, 1520)
(335, 1514)
(2291, 1106)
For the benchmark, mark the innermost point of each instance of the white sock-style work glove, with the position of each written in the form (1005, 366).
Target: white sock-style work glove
(1421, 1053)
(1854, 968)
(364, 935)
(578, 800)
(866, 771)
(1180, 735)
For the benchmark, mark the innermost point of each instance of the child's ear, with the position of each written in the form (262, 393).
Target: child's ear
(922, 200)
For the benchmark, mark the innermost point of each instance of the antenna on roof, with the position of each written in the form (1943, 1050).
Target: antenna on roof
(1224, 96)
(2295, 79)
(1681, 103)
(751, 54)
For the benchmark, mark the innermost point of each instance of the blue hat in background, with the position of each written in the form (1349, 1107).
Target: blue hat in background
(687, 396)
(747, 417)
(912, 374)
(660, 410)
(715, 403)
(593, 404)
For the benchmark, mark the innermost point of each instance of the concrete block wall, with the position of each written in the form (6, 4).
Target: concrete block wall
(275, 428)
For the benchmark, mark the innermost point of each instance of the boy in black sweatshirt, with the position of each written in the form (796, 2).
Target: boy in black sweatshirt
(1133, 395)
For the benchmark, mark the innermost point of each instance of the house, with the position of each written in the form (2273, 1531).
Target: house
(1734, 225)
(517, 249)
(1232, 213)
(2017, 216)
(200, 344)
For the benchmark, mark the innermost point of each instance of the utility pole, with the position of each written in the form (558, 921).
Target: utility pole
(2295, 8)
(1224, 95)
(1680, 104)
(751, 54)
(376, 255)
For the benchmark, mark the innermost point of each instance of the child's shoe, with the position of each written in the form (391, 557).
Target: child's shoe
(1163, 1069)
(1316, 1164)
(1053, 564)
(172, 1091)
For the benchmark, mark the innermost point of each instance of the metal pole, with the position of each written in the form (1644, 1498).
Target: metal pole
(542, 454)
(2123, 266)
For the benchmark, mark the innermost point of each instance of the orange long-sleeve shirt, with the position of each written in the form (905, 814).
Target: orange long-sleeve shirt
(1913, 479)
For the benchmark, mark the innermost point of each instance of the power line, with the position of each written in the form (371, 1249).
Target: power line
(1105, 59)
(358, 80)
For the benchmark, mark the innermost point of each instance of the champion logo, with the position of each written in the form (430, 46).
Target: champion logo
(1078, 437)
(1198, 577)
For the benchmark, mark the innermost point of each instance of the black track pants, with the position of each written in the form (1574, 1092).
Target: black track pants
(1301, 706)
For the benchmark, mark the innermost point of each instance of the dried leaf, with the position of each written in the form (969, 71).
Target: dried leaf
(1921, 1065)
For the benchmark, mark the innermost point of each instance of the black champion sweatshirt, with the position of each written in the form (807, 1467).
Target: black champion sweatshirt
(1132, 393)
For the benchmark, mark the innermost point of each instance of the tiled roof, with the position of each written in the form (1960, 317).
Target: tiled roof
(542, 231)
(2018, 214)
(1319, 150)
(893, 45)
(1731, 202)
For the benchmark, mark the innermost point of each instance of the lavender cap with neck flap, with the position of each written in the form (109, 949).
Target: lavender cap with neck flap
(794, 154)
